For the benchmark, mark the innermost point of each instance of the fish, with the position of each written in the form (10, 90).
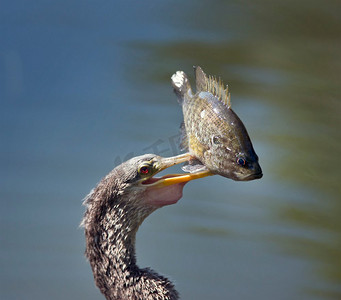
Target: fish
(212, 133)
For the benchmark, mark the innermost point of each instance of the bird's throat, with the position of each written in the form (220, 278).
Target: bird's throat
(167, 195)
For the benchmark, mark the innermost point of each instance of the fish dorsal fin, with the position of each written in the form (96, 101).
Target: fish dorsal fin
(200, 79)
(216, 87)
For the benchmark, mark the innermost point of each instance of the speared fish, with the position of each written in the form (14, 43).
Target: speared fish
(212, 133)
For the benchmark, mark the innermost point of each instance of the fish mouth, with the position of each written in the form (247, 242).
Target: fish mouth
(249, 177)
(254, 172)
(171, 179)
(254, 176)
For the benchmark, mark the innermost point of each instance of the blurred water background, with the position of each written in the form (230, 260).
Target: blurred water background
(86, 84)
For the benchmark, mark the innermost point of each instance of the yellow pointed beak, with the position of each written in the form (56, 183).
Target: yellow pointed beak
(171, 179)
(179, 178)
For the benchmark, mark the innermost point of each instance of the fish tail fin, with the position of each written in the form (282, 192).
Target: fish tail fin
(181, 85)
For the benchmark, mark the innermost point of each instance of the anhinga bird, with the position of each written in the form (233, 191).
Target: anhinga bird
(115, 210)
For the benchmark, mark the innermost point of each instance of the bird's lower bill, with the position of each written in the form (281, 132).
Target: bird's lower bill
(171, 179)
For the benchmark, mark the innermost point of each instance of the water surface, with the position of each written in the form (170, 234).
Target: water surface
(85, 85)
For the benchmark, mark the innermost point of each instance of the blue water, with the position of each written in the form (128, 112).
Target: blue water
(85, 85)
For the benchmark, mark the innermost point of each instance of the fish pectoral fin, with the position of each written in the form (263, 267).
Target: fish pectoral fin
(200, 79)
(183, 138)
(193, 166)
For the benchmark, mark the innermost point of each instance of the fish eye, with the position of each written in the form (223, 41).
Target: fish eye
(241, 161)
(145, 169)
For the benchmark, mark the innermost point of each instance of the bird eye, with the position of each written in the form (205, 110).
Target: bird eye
(241, 161)
(144, 170)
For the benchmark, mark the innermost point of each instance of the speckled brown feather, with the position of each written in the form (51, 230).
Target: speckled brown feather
(112, 218)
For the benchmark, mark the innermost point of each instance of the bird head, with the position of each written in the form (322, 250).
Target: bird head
(139, 177)
(132, 191)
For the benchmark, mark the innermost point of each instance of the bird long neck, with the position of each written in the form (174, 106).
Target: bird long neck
(110, 231)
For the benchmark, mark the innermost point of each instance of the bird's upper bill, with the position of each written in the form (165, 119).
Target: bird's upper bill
(171, 179)
(167, 189)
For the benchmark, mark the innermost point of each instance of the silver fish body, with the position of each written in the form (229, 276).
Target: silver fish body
(212, 132)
